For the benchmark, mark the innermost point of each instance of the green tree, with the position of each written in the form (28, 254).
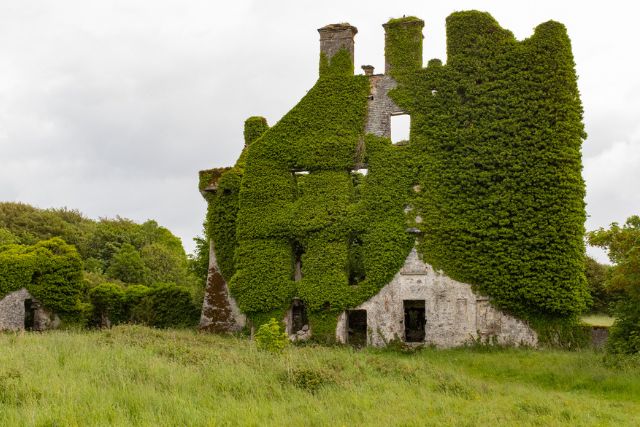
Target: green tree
(127, 265)
(623, 245)
(163, 265)
(7, 237)
(596, 281)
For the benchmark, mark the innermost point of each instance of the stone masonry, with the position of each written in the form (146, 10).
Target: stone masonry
(455, 315)
(12, 313)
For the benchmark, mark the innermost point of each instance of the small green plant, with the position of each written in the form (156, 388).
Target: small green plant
(270, 337)
(310, 380)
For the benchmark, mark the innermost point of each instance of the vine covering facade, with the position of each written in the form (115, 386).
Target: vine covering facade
(322, 213)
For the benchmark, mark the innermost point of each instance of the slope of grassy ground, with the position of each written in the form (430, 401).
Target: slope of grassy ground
(135, 376)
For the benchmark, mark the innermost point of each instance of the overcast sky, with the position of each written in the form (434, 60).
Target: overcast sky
(112, 107)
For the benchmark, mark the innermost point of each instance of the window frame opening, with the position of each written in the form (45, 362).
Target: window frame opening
(400, 128)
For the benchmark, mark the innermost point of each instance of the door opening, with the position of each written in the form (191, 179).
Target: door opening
(357, 327)
(29, 314)
(414, 320)
(298, 316)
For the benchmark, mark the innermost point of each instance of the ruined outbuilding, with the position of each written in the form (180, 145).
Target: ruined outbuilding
(328, 225)
(19, 311)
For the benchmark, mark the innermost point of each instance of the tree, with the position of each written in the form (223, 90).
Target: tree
(623, 245)
(596, 281)
(163, 265)
(127, 265)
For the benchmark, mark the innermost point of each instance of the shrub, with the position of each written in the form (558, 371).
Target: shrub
(271, 337)
(108, 301)
(164, 306)
(51, 270)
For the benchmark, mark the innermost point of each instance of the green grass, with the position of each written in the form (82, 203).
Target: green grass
(598, 320)
(143, 377)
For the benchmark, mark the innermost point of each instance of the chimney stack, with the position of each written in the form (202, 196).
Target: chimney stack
(336, 49)
(403, 44)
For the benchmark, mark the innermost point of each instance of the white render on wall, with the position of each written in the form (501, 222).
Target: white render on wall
(455, 315)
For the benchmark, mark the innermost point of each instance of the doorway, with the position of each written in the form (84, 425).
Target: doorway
(29, 314)
(298, 316)
(414, 320)
(357, 327)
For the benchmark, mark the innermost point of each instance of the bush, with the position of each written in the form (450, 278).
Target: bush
(624, 335)
(271, 337)
(108, 301)
(51, 270)
(164, 306)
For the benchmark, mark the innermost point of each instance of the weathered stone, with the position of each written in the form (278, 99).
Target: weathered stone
(380, 107)
(12, 313)
(220, 312)
(455, 315)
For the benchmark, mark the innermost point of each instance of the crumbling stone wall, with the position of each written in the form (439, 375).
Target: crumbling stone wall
(455, 315)
(12, 313)
(380, 106)
(220, 313)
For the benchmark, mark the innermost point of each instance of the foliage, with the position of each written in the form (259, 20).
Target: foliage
(198, 262)
(127, 265)
(7, 237)
(31, 225)
(141, 253)
(163, 265)
(623, 245)
(596, 274)
(51, 270)
(165, 306)
(271, 337)
(108, 303)
(498, 130)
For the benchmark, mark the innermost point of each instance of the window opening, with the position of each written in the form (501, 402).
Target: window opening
(400, 127)
(298, 251)
(414, 320)
(29, 314)
(356, 264)
(357, 327)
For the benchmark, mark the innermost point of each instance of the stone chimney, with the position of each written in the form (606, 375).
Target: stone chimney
(403, 44)
(335, 38)
(368, 70)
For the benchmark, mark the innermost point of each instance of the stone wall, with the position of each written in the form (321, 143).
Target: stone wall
(380, 107)
(220, 313)
(455, 315)
(12, 313)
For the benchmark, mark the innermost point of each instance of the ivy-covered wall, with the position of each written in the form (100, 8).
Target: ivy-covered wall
(498, 130)
(493, 169)
(51, 270)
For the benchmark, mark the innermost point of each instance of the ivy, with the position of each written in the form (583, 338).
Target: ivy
(499, 130)
(51, 270)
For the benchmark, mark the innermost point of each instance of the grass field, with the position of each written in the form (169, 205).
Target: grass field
(142, 377)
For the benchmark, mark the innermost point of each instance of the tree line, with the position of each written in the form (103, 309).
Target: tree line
(118, 270)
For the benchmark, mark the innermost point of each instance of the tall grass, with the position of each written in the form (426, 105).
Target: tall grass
(135, 376)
